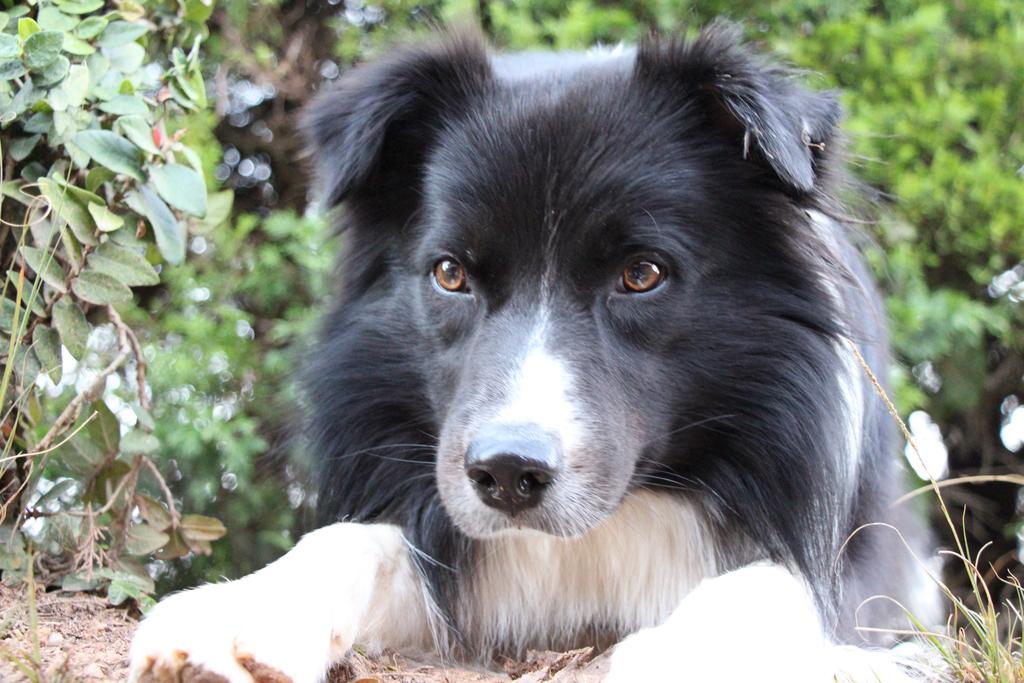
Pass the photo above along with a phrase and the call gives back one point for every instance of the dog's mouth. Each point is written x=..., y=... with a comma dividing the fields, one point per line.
x=560, y=515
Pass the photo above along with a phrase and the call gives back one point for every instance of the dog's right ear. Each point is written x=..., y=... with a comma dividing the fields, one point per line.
x=370, y=133
x=769, y=117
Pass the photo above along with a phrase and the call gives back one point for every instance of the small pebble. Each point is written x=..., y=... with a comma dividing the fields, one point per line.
x=94, y=670
x=54, y=639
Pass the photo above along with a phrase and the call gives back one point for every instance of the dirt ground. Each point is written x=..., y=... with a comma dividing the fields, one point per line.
x=84, y=640
x=81, y=638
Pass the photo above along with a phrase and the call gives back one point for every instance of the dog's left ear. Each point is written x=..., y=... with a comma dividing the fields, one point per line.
x=370, y=132
x=771, y=117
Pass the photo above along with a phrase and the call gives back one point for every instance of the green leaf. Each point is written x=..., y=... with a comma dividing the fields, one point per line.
x=169, y=233
x=14, y=560
x=42, y=49
x=100, y=288
x=145, y=418
x=76, y=85
x=9, y=46
x=26, y=27
x=58, y=101
x=32, y=171
x=137, y=441
x=14, y=190
x=218, y=209
x=119, y=591
x=91, y=27
x=79, y=6
x=138, y=130
x=26, y=367
x=145, y=603
x=39, y=122
x=106, y=220
x=67, y=205
x=200, y=528
x=175, y=548
x=53, y=73
x=83, y=196
x=26, y=96
x=96, y=177
x=46, y=345
x=22, y=147
x=112, y=151
x=198, y=10
x=180, y=96
x=153, y=511
x=125, y=58
x=119, y=33
x=182, y=187
x=72, y=248
x=71, y=325
x=103, y=483
x=105, y=430
x=124, y=105
x=125, y=265
x=44, y=264
x=142, y=539
x=77, y=582
x=52, y=19
x=37, y=306
x=7, y=310
x=76, y=46
x=61, y=488
x=11, y=70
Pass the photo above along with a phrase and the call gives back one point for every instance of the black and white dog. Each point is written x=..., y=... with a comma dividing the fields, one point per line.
x=590, y=376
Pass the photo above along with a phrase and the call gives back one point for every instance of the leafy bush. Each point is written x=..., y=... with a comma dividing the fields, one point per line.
x=99, y=195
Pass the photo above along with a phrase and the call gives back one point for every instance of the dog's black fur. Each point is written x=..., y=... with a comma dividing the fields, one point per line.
x=699, y=151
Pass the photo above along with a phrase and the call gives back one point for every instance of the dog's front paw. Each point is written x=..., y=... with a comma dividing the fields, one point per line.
x=230, y=633
x=753, y=624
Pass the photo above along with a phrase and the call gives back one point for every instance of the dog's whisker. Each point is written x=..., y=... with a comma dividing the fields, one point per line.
x=665, y=482
x=699, y=423
x=411, y=447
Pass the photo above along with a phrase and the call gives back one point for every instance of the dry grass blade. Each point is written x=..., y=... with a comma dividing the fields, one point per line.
x=980, y=651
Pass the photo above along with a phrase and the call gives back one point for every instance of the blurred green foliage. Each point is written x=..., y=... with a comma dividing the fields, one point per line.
x=227, y=335
x=935, y=99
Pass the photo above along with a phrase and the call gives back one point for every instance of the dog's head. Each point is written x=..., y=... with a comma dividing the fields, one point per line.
x=586, y=257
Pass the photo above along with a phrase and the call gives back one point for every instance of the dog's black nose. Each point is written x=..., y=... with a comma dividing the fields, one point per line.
x=511, y=466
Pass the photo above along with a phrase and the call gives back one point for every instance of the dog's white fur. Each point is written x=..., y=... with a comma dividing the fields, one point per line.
x=342, y=584
x=540, y=391
x=646, y=568
x=753, y=624
x=630, y=572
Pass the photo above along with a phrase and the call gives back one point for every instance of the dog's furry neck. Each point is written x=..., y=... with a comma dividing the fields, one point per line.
x=533, y=590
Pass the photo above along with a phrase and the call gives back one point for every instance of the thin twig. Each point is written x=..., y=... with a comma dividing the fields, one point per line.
x=162, y=483
x=130, y=475
x=140, y=369
x=32, y=454
x=932, y=483
x=967, y=479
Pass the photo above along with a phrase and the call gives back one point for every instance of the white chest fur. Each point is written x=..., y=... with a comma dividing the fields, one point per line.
x=530, y=589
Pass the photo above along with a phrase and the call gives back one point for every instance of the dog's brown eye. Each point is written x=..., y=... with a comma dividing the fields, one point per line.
x=450, y=275
x=642, y=276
